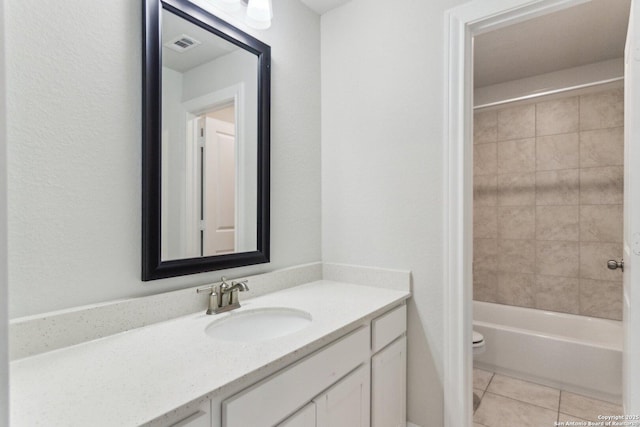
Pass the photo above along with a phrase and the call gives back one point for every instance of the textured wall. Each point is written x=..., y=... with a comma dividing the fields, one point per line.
x=548, y=204
x=382, y=163
x=74, y=126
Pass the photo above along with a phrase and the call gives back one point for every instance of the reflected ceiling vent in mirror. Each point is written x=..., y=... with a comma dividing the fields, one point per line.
x=182, y=43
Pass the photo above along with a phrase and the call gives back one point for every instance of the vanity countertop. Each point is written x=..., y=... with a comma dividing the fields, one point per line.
x=135, y=376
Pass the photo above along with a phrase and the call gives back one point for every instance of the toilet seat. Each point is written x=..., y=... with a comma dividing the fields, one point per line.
x=478, y=343
x=478, y=339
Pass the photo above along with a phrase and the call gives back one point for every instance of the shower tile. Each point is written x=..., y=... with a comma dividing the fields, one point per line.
x=485, y=285
x=558, y=294
x=516, y=222
x=485, y=127
x=517, y=256
x=601, y=298
x=525, y=391
x=561, y=187
x=501, y=411
x=602, y=147
x=601, y=223
x=557, y=223
x=557, y=116
x=481, y=379
x=594, y=257
x=557, y=152
x=485, y=159
x=557, y=258
x=517, y=156
x=601, y=186
x=485, y=190
x=516, y=289
x=586, y=407
x=517, y=189
x=602, y=110
x=516, y=122
x=485, y=254
x=485, y=222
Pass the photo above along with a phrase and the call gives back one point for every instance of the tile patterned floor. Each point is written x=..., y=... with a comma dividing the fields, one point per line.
x=508, y=402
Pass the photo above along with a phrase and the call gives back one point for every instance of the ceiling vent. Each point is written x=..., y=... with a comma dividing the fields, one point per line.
x=182, y=43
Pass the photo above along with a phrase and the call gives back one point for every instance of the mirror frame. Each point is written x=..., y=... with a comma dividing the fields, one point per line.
x=152, y=265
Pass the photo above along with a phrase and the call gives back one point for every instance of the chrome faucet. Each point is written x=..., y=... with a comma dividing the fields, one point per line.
x=224, y=297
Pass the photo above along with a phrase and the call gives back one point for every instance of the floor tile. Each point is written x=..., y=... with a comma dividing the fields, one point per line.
x=586, y=407
x=525, y=391
x=498, y=411
x=481, y=378
x=564, y=418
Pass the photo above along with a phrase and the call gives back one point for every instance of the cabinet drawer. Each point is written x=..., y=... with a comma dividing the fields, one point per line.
x=388, y=327
x=274, y=398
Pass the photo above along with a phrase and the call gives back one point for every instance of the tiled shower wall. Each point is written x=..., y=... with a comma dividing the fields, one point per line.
x=548, y=204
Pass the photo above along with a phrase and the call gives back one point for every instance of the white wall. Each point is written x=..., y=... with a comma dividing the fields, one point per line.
x=382, y=163
x=556, y=81
x=74, y=126
x=4, y=303
x=174, y=175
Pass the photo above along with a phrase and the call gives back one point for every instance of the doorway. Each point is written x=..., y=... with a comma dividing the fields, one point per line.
x=464, y=23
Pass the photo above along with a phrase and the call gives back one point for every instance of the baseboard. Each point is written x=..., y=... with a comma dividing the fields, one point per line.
x=412, y=424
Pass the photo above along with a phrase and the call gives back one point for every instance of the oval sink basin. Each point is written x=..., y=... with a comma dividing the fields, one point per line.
x=259, y=324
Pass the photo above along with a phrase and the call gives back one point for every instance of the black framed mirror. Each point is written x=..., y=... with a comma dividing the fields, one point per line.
x=205, y=143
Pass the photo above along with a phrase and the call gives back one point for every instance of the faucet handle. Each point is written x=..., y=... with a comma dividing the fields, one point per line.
x=211, y=289
x=213, y=300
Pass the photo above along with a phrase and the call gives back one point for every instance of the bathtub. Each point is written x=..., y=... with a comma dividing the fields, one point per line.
x=575, y=353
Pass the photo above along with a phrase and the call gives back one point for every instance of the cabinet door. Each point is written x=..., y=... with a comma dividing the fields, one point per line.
x=389, y=385
x=346, y=403
x=305, y=417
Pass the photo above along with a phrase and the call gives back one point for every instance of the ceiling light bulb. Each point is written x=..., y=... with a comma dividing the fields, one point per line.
x=259, y=14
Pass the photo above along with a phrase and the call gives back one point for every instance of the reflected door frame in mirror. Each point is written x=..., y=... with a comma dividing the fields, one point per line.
x=153, y=267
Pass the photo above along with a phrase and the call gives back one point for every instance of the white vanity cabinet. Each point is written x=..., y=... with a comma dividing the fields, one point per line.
x=389, y=369
x=357, y=381
x=347, y=403
x=305, y=417
x=277, y=397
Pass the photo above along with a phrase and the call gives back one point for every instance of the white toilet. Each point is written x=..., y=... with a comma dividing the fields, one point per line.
x=478, y=343
x=478, y=348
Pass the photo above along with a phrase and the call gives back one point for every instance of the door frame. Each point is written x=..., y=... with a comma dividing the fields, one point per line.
x=193, y=108
x=461, y=25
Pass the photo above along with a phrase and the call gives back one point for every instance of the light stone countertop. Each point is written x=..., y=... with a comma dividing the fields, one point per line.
x=133, y=377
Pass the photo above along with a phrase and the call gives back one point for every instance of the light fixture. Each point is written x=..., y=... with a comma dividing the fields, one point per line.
x=256, y=14
x=259, y=14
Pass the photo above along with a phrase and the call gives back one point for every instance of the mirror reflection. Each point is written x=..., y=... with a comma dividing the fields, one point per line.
x=209, y=143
